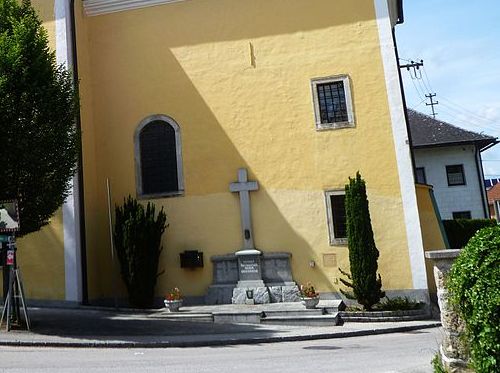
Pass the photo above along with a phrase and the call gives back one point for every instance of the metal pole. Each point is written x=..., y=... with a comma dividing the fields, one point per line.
x=112, y=241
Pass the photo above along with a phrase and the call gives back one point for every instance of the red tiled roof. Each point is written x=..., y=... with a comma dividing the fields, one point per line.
x=494, y=193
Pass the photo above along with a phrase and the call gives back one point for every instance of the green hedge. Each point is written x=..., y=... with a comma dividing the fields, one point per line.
x=474, y=287
x=460, y=231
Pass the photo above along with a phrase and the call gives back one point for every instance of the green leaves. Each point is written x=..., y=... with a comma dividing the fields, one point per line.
x=363, y=253
x=474, y=286
x=137, y=238
x=38, y=106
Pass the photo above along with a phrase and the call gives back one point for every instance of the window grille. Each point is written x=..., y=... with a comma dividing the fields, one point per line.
x=455, y=175
x=332, y=102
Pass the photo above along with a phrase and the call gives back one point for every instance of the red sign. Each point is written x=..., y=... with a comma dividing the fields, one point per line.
x=10, y=257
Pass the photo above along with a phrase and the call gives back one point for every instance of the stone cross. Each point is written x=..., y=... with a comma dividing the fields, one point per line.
x=243, y=186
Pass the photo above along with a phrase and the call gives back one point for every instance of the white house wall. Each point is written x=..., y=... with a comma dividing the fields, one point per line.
x=452, y=198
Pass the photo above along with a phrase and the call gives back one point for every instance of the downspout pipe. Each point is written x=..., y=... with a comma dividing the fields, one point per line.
x=81, y=194
x=405, y=109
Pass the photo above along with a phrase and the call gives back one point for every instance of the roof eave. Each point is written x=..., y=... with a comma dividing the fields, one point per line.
x=481, y=144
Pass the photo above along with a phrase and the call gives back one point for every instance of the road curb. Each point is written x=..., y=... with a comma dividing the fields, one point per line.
x=218, y=342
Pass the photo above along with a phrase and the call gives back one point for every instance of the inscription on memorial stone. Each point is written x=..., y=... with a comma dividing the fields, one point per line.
x=249, y=266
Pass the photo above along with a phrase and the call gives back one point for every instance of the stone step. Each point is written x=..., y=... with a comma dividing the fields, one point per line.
x=180, y=316
x=385, y=318
x=298, y=312
x=313, y=320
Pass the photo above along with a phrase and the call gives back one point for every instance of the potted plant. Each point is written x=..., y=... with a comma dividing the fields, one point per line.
x=173, y=300
x=310, y=298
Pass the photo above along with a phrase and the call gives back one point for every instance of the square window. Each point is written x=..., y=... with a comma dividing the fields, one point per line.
x=455, y=175
x=420, y=175
x=332, y=102
x=462, y=215
x=337, y=225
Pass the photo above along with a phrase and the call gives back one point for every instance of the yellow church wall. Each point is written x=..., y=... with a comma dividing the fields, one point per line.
x=41, y=259
x=431, y=232
x=192, y=61
x=41, y=254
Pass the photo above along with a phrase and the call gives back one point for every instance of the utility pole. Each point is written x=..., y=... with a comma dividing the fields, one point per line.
x=413, y=65
x=430, y=96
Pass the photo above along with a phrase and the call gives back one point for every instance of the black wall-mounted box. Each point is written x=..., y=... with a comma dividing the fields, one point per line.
x=191, y=259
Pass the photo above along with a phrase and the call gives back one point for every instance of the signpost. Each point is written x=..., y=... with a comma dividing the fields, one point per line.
x=9, y=225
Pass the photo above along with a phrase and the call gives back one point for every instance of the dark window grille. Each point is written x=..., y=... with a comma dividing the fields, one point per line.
x=338, y=215
x=332, y=102
x=420, y=174
x=158, y=158
x=455, y=175
x=462, y=215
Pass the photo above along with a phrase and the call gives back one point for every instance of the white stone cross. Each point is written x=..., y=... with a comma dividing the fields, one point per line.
x=243, y=186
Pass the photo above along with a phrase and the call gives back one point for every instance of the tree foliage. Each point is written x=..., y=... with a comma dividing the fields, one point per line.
x=363, y=254
x=38, y=137
x=474, y=287
x=137, y=240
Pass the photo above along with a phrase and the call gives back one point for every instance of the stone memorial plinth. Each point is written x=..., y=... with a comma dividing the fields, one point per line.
x=276, y=275
x=250, y=288
x=452, y=350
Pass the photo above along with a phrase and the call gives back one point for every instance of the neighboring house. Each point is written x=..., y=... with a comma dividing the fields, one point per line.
x=494, y=201
x=176, y=96
x=449, y=158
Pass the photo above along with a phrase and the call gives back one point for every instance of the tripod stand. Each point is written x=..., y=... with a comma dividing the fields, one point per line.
x=11, y=308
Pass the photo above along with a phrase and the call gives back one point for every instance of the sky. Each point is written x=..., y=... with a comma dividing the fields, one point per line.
x=459, y=42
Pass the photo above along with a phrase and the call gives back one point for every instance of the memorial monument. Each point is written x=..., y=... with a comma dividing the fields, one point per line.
x=250, y=276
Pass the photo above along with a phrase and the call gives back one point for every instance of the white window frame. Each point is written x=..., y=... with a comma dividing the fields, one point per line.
x=329, y=214
x=348, y=98
x=168, y=121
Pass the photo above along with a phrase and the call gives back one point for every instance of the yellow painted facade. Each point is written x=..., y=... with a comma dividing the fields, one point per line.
x=236, y=76
x=431, y=231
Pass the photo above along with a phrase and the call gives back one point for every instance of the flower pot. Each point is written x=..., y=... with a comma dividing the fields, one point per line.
x=173, y=305
x=310, y=303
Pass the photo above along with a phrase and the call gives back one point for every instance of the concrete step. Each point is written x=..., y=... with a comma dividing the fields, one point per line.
x=348, y=318
x=299, y=312
x=312, y=320
x=180, y=316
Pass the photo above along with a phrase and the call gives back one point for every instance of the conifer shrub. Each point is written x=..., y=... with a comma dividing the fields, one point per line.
x=474, y=288
x=137, y=238
x=366, y=285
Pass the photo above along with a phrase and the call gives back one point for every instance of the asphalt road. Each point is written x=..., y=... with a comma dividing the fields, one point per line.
x=399, y=352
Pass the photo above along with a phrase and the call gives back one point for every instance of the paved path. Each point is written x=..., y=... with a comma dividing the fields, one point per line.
x=408, y=352
x=106, y=328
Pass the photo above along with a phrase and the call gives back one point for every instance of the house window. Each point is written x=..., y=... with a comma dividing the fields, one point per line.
x=462, y=215
x=158, y=158
x=332, y=102
x=455, y=175
x=420, y=175
x=337, y=226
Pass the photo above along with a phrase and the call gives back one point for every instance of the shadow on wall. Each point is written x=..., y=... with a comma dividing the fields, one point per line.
x=205, y=218
x=135, y=72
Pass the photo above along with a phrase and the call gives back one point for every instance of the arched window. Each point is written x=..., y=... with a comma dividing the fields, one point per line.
x=158, y=157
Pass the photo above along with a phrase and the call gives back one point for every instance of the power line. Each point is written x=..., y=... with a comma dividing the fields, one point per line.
x=427, y=78
x=461, y=108
x=459, y=117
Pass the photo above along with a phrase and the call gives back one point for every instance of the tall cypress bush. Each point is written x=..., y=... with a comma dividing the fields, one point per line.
x=363, y=254
x=39, y=141
x=137, y=240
